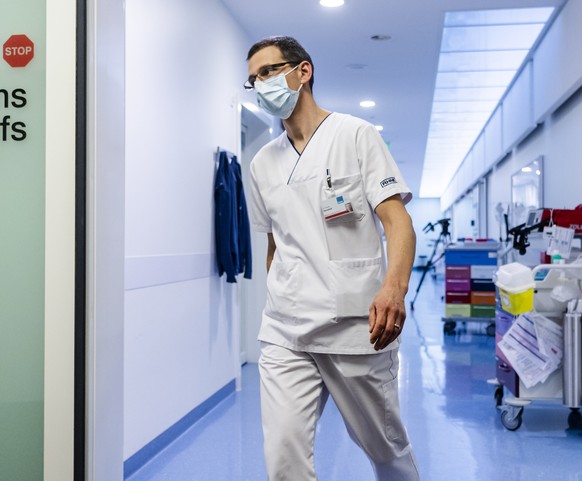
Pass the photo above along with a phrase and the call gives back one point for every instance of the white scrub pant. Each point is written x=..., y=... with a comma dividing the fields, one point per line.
x=294, y=389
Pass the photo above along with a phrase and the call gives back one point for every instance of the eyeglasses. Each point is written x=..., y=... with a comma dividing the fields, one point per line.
x=265, y=72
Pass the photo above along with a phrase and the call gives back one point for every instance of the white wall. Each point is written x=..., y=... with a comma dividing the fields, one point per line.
x=560, y=143
x=463, y=215
x=185, y=69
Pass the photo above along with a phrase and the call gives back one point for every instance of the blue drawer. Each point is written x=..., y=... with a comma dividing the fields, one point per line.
x=480, y=257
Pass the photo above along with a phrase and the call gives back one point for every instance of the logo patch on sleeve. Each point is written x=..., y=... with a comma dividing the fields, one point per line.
x=388, y=181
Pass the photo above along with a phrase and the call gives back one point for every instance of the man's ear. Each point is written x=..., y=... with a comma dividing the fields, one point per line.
x=306, y=72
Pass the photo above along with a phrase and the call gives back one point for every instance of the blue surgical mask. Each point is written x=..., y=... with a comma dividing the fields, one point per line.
x=275, y=97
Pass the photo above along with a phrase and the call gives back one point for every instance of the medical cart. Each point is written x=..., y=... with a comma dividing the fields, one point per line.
x=565, y=383
x=469, y=287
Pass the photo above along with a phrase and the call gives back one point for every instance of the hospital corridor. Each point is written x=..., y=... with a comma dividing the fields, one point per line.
x=302, y=240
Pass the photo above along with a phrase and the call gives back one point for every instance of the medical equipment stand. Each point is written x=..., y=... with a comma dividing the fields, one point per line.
x=444, y=238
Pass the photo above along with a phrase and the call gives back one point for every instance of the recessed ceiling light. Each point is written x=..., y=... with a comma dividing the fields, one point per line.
x=367, y=104
x=331, y=3
x=380, y=37
x=379, y=128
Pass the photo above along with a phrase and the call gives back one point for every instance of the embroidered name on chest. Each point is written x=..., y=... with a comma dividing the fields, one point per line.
x=388, y=181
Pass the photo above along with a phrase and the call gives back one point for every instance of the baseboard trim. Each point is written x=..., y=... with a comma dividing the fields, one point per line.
x=158, y=444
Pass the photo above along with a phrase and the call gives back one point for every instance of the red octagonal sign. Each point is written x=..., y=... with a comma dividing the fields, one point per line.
x=18, y=51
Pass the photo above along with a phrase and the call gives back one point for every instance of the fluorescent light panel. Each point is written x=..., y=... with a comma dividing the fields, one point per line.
x=481, y=51
x=511, y=16
x=484, y=60
x=491, y=37
x=484, y=78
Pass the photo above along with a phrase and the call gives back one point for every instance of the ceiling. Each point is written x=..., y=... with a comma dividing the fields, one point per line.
x=399, y=74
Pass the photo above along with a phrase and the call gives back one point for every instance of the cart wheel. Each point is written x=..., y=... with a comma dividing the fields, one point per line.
x=449, y=327
x=575, y=419
x=491, y=330
x=498, y=395
x=511, y=418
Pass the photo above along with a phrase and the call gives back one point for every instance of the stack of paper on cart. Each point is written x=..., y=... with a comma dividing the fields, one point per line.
x=533, y=346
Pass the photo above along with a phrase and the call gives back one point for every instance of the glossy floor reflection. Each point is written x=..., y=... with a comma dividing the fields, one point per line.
x=447, y=406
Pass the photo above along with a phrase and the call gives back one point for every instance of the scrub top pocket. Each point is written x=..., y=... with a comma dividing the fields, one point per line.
x=350, y=188
x=283, y=282
x=354, y=283
x=345, y=234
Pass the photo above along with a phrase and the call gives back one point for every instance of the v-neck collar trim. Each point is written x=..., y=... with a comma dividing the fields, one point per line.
x=300, y=154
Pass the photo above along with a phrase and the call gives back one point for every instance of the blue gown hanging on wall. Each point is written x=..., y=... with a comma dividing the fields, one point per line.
x=231, y=221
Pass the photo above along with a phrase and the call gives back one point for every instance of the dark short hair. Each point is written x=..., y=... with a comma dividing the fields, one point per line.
x=291, y=50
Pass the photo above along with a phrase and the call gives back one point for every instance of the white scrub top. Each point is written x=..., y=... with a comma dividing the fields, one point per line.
x=324, y=274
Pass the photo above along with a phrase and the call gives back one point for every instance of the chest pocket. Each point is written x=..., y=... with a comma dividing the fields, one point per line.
x=350, y=188
x=345, y=235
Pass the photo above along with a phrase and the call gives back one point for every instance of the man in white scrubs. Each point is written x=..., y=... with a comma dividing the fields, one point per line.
x=323, y=191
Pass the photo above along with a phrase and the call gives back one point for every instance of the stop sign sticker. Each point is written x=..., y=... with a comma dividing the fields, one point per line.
x=18, y=51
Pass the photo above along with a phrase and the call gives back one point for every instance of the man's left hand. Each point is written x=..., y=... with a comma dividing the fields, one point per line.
x=387, y=315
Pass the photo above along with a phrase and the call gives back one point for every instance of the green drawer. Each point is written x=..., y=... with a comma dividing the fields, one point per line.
x=482, y=311
x=458, y=310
